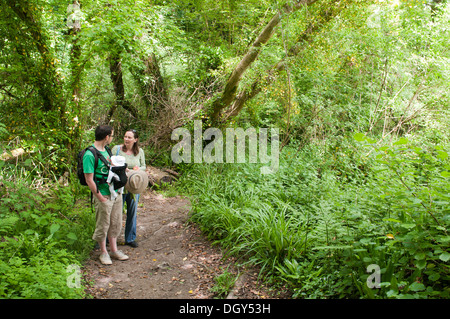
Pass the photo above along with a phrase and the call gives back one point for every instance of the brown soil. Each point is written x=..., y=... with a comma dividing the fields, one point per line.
x=173, y=260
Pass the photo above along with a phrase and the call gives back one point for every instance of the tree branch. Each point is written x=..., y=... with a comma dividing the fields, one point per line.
x=229, y=93
x=315, y=26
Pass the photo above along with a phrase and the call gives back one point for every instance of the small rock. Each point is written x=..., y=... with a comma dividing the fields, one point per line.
x=162, y=266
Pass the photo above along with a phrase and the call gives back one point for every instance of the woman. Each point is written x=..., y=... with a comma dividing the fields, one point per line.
x=135, y=159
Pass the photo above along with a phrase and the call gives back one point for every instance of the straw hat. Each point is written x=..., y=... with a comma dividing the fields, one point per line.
x=137, y=181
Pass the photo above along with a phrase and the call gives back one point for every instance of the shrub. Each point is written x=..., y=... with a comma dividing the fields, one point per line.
x=43, y=235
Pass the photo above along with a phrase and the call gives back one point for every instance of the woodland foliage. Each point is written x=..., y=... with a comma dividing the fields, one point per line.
x=358, y=90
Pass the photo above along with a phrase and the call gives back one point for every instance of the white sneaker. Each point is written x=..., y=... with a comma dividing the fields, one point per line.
x=105, y=259
x=119, y=255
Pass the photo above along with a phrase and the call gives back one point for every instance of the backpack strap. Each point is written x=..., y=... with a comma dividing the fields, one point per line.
x=99, y=156
x=94, y=152
x=108, y=150
x=103, y=159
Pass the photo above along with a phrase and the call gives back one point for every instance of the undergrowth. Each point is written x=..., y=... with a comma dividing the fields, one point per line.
x=354, y=221
x=44, y=238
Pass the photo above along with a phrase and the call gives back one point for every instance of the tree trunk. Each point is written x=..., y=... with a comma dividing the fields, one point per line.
x=238, y=104
x=229, y=93
x=48, y=84
x=73, y=28
x=115, y=67
x=154, y=89
x=158, y=176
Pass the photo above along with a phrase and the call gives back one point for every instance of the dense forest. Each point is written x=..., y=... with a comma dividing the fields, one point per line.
x=359, y=204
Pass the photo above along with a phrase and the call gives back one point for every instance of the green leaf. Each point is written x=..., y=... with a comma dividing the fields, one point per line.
x=392, y=220
x=442, y=155
x=444, y=256
x=408, y=226
x=367, y=259
x=434, y=276
x=421, y=264
x=445, y=174
x=54, y=228
x=392, y=293
x=416, y=286
x=72, y=236
x=402, y=141
x=360, y=137
x=420, y=256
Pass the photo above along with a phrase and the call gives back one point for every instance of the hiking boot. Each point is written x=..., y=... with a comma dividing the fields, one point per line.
x=105, y=259
x=133, y=244
x=119, y=255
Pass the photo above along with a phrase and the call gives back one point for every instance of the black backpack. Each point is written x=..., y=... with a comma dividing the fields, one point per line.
x=97, y=156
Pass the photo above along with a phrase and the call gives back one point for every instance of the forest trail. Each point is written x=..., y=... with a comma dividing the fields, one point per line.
x=173, y=260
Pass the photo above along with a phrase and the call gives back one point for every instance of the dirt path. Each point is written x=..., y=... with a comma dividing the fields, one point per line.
x=173, y=260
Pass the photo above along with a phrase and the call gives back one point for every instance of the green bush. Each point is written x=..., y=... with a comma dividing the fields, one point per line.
x=36, y=269
x=43, y=237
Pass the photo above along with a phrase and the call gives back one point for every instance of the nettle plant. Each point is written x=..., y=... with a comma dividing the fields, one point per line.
x=414, y=183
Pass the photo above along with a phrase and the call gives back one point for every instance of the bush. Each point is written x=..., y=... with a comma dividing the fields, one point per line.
x=37, y=270
x=43, y=237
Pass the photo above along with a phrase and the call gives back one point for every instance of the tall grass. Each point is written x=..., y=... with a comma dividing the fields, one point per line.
x=325, y=216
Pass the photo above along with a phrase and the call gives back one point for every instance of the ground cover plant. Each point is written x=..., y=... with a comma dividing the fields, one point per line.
x=44, y=239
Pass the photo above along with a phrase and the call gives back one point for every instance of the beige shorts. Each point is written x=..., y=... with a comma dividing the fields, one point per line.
x=108, y=217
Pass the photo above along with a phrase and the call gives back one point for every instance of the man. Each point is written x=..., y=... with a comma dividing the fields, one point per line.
x=108, y=211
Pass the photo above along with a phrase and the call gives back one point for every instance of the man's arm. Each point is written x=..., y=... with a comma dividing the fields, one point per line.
x=93, y=187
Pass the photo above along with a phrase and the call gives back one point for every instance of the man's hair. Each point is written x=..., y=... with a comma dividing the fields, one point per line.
x=102, y=131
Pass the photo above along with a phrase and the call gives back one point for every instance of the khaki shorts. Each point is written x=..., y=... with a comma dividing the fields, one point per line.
x=108, y=217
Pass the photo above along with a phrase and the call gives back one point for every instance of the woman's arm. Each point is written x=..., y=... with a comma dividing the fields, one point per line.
x=114, y=149
x=142, y=164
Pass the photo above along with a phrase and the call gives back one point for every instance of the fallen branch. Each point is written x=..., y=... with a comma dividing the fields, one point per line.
x=158, y=176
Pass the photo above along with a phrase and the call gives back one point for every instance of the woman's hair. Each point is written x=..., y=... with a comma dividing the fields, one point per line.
x=102, y=131
x=135, y=145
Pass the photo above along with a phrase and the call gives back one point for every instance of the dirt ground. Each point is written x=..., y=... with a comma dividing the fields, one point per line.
x=173, y=260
